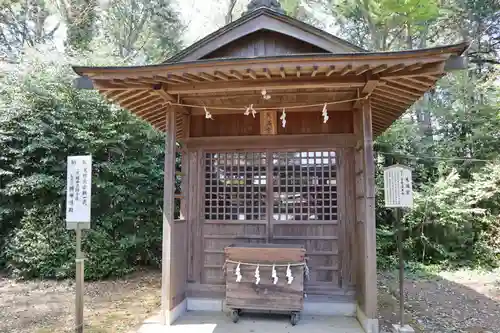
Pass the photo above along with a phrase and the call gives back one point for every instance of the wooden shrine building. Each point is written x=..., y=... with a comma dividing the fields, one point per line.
x=264, y=159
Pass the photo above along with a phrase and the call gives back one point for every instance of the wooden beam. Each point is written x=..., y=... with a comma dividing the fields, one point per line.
x=191, y=77
x=117, y=95
x=205, y=87
x=362, y=69
x=176, y=78
x=396, y=97
x=413, y=86
x=252, y=74
x=133, y=97
x=275, y=141
x=379, y=68
x=168, y=220
x=432, y=69
x=370, y=85
x=163, y=79
x=206, y=76
x=221, y=75
x=236, y=74
x=266, y=73
x=274, y=106
x=315, y=71
x=107, y=85
x=147, y=108
x=141, y=102
x=218, y=96
x=345, y=70
x=394, y=86
x=282, y=72
x=331, y=70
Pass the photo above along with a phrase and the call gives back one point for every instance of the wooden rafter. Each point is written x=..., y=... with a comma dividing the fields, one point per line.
x=206, y=77
x=236, y=74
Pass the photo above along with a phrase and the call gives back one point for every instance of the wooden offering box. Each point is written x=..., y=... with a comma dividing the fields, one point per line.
x=265, y=296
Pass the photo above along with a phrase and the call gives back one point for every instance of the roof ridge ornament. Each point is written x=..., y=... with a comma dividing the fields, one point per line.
x=271, y=4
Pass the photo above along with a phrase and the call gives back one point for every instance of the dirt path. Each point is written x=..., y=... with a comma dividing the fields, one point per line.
x=48, y=306
x=464, y=301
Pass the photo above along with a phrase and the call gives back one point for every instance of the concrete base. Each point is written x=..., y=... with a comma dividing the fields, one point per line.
x=218, y=322
x=404, y=329
x=178, y=311
x=310, y=307
x=370, y=325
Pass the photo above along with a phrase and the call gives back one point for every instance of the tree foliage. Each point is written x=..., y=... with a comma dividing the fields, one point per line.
x=141, y=30
x=43, y=121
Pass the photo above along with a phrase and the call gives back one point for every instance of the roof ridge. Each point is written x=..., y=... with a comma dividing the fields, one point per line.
x=263, y=10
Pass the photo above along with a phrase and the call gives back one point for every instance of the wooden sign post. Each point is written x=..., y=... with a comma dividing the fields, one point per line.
x=398, y=194
x=78, y=185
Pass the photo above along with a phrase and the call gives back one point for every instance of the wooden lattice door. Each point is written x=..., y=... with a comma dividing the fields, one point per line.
x=304, y=211
x=280, y=197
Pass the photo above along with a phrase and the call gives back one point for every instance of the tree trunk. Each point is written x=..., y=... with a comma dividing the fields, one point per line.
x=229, y=14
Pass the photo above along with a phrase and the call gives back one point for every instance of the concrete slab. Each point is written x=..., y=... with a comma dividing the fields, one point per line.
x=218, y=322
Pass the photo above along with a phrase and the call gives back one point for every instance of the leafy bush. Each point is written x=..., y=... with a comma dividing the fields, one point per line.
x=42, y=121
x=453, y=222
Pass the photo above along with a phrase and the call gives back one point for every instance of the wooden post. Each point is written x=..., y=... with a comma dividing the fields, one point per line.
x=370, y=255
x=79, y=281
x=168, y=216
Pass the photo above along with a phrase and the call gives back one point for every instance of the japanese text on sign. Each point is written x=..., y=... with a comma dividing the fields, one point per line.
x=78, y=190
x=398, y=186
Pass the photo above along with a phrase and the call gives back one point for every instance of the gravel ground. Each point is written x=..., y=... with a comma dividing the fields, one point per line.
x=464, y=301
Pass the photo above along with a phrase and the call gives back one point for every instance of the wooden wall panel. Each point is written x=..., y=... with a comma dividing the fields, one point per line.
x=264, y=43
x=340, y=122
x=224, y=125
x=219, y=234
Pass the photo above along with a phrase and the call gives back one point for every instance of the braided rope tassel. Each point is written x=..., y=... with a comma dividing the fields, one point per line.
x=325, y=114
x=289, y=274
x=238, y=273
x=274, y=275
x=257, y=275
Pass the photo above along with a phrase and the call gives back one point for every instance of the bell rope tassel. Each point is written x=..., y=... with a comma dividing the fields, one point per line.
x=274, y=275
x=257, y=275
x=289, y=275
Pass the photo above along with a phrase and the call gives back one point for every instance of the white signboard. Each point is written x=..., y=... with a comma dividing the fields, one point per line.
x=78, y=185
x=398, y=186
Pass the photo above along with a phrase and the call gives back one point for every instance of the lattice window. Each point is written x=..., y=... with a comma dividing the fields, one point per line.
x=304, y=186
x=235, y=186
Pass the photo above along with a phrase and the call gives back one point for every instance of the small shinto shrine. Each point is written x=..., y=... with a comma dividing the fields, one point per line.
x=275, y=122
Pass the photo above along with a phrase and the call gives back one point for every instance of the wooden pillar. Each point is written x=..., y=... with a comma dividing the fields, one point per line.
x=366, y=278
x=168, y=217
x=369, y=240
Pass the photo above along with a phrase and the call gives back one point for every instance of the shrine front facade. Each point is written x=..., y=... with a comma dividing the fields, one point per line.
x=274, y=121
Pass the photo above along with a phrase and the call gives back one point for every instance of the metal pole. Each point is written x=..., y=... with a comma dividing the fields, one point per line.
x=79, y=282
x=401, y=267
